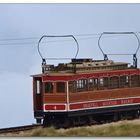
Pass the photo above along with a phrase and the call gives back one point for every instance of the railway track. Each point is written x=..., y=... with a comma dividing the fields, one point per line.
x=19, y=128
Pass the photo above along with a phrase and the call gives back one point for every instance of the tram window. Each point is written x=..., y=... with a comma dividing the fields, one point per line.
x=81, y=85
x=127, y=79
x=114, y=82
x=124, y=81
x=92, y=84
x=103, y=83
x=38, y=86
x=49, y=87
x=72, y=86
x=106, y=82
x=60, y=87
x=135, y=81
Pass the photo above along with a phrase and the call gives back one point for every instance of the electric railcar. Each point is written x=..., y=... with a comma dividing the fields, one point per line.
x=86, y=91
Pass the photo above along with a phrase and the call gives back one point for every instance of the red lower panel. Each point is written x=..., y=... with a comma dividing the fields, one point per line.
x=54, y=107
x=129, y=101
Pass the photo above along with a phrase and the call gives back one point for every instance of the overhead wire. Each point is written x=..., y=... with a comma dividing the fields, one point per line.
x=13, y=39
x=29, y=38
x=80, y=37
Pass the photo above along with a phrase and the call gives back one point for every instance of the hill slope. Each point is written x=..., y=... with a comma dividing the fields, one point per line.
x=121, y=128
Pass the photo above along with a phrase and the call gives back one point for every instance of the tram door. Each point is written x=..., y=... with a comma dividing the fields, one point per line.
x=38, y=94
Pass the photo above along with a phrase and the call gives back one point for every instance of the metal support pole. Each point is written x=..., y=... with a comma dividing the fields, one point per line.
x=67, y=94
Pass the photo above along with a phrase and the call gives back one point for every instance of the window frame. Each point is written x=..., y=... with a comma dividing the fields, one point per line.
x=93, y=84
x=133, y=80
x=83, y=85
x=114, y=83
x=38, y=87
x=72, y=86
x=56, y=82
x=103, y=83
x=49, y=93
x=124, y=83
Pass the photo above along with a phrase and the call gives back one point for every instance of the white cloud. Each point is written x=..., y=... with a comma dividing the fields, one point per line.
x=16, y=104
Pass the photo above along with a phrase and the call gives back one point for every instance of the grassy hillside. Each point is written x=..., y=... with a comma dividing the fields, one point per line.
x=122, y=128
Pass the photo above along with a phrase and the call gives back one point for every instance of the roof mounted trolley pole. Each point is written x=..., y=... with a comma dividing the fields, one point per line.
x=125, y=33
x=60, y=36
x=135, y=60
x=105, y=55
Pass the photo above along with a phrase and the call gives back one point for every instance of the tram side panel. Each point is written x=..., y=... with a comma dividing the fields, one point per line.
x=57, y=98
x=38, y=98
x=105, y=99
x=54, y=97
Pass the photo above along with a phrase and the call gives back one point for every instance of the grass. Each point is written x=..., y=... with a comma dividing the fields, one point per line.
x=123, y=128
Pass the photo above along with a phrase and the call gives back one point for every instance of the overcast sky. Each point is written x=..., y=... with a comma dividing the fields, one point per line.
x=19, y=58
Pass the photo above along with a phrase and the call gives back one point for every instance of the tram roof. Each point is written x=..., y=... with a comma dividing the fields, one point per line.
x=130, y=70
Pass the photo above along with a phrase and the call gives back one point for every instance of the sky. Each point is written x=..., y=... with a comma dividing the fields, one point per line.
x=22, y=25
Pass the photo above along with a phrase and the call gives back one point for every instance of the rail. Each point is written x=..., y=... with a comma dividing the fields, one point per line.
x=19, y=128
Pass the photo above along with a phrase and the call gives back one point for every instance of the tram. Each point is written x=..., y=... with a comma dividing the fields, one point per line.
x=85, y=90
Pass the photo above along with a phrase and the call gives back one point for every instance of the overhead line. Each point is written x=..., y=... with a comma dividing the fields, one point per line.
x=28, y=43
x=30, y=38
x=13, y=39
x=19, y=43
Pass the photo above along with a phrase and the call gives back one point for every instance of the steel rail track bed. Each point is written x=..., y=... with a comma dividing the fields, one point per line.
x=19, y=128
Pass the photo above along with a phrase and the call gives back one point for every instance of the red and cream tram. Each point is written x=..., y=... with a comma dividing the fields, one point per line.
x=86, y=90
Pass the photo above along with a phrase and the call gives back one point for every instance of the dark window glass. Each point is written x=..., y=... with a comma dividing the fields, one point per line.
x=114, y=82
x=49, y=87
x=92, y=84
x=124, y=81
x=60, y=87
x=103, y=83
x=72, y=86
x=135, y=81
